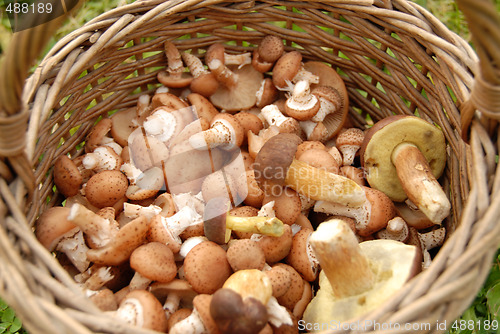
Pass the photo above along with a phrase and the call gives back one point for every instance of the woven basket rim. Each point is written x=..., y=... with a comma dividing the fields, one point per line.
x=456, y=256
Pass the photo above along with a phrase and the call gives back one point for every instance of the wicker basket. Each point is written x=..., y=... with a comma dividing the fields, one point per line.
x=395, y=57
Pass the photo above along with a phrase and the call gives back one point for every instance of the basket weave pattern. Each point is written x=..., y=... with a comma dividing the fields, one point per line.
x=394, y=56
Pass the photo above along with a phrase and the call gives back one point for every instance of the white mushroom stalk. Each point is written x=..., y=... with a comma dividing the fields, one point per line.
x=223, y=73
x=190, y=325
x=131, y=172
x=194, y=64
x=102, y=158
x=75, y=249
x=278, y=314
x=93, y=280
x=135, y=210
x=239, y=60
x=220, y=132
x=100, y=230
x=195, y=202
x=326, y=107
x=181, y=220
x=162, y=124
x=301, y=97
x=273, y=115
x=361, y=214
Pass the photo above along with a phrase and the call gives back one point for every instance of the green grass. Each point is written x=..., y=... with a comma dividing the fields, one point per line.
x=486, y=306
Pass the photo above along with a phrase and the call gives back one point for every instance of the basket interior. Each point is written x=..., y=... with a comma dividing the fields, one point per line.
x=390, y=58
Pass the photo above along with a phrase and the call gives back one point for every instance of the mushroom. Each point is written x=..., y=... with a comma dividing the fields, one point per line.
x=287, y=204
x=302, y=105
x=396, y=229
x=238, y=87
x=316, y=131
x=233, y=314
x=97, y=135
x=356, y=278
x=98, y=230
x=178, y=316
x=245, y=254
x=370, y=217
x=249, y=122
x=289, y=69
x=413, y=216
x=119, y=248
x=217, y=220
x=320, y=158
x=270, y=49
x=275, y=165
x=199, y=321
x=122, y=125
x=55, y=232
x=168, y=101
x=102, y=158
x=348, y=142
x=307, y=145
x=275, y=248
x=159, y=232
x=330, y=103
x=328, y=77
x=294, y=293
x=354, y=173
x=273, y=116
x=302, y=257
x=255, y=142
x=153, y=261
x=206, y=267
x=175, y=293
x=174, y=76
x=106, y=188
x=253, y=283
x=203, y=107
x=280, y=280
x=225, y=132
x=141, y=308
x=204, y=82
x=67, y=176
x=267, y=93
x=403, y=156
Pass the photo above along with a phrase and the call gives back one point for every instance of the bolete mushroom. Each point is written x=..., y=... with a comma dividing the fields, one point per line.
x=275, y=165
x=356, y=278
x=403, y=156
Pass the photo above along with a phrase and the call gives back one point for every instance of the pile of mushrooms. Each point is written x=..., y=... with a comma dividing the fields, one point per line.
x=230, y=200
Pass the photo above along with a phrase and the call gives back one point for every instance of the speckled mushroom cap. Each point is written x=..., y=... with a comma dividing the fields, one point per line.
x=206, y=267
x=294, y=292
x=155, y=261
x=202, y=303
x=97, y=134
x=301, y=256
x=276, y=248
x=106, y=188
x=148, y=309
x=286, y=67
x=380, y=142
x=67, y=177
x=245, y=254
x=52, y=225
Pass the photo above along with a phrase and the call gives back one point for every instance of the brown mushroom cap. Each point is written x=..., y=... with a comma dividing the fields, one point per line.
x=287, y=204
x=67, y=177
x=301, y=256
x=154, y=261
x=232, y=314
x=320, y=158
x=178, y=316
x=308, y=144
x=276, y=248
x=249, y=122
x=243, y=95
x=51, y=225
x=286, y=67
x=280, y=280
x=245, y=254
x=271, y=48
x=106, y=188
x=206, y=267
x=381, y=140
x=294, y=292
x=150, y=312
x=97, y=133
x=203, y=107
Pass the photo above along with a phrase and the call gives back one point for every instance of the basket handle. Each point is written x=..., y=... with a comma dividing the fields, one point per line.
x=25, y=46
x=484, y=24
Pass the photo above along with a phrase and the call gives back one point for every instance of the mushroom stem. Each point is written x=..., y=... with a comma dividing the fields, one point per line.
x=271, y=226
x=318, y=184
x=175, y=65
x=99, y=229
x=341, y=259
x=75, y=249
x=273, y=115
x=419, y=183
x=171, y=304
x=223, y=73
